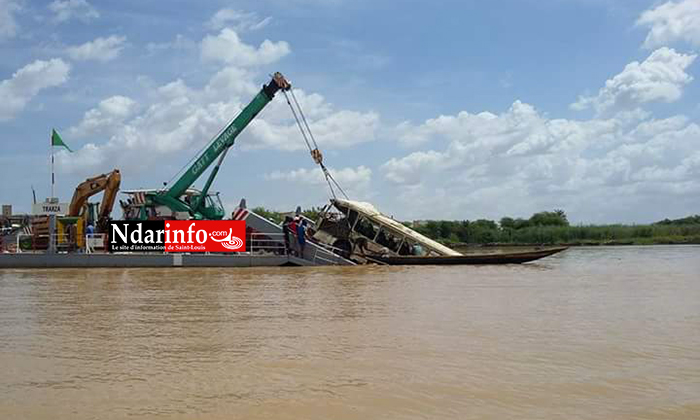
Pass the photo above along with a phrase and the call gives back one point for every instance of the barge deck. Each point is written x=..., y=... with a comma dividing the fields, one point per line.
x=35, y=260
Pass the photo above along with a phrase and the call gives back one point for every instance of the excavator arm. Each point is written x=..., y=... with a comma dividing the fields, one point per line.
x=109, y=183
x=114, y=180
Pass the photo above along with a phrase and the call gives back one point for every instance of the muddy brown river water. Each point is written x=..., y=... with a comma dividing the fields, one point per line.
x=592, y=333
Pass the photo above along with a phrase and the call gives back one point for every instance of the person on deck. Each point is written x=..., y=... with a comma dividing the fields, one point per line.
x=301, y=237
x=293, y=225
x=287, y=234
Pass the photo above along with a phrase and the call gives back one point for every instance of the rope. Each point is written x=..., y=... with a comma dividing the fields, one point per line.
x=315, y=153
x=303, y=118
x=303, y=134
x=329, y=176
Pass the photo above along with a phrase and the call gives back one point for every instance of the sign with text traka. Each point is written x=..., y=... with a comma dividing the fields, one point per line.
x=46, y=208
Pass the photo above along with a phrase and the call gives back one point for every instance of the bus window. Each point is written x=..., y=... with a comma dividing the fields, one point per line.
x=365, y=228
x=388, y=240
x=405, y=248
x=352, y=218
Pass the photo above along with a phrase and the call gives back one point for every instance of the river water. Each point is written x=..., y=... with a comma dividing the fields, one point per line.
x=592, y=333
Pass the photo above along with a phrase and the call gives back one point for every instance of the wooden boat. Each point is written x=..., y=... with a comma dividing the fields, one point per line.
x=496, y=258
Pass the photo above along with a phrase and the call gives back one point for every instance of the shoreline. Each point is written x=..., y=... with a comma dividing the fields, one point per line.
x=636, y=242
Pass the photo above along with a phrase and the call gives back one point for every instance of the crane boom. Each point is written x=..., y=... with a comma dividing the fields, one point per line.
x=179, y=200
x=226, y=138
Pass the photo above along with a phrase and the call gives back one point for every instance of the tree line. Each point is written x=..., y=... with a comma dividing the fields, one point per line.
x=554, y=228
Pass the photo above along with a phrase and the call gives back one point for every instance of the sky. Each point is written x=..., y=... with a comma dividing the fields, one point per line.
x=444, y=109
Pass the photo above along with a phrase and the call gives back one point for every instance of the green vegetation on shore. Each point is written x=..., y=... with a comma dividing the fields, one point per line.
x=278, y=217
x=554, y=228
x=543, y=228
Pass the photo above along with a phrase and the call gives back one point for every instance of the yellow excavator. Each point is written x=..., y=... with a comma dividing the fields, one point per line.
x=81, y=213
x=79, y=206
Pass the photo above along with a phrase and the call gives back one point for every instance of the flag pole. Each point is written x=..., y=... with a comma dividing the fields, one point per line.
x=53, y=176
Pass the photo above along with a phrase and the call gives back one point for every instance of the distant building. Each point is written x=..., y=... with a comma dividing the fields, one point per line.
x=7, y=210
x=290, y=214
x=419, y=223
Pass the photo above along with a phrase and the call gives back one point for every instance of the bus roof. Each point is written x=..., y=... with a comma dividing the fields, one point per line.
x=369, y=211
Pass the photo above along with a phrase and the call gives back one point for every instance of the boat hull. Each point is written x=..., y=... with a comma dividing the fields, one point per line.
x=481, y=259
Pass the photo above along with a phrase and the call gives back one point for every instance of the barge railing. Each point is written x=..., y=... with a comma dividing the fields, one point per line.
x=258, y=243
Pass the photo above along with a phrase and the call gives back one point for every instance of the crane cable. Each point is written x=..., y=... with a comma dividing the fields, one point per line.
x=315, y=152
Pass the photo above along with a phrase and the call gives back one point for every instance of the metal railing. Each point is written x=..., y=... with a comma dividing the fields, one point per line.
x=258, y=243
x=272, y=243
x=94, y=241
x=18, y=247
x=275, y=243
x=60, y=241
x=336, y=252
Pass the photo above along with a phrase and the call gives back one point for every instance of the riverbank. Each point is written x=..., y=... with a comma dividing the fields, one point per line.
x=483, y=232
x=664, y=240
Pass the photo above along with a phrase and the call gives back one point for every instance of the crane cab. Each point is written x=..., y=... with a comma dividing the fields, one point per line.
x=145, y=205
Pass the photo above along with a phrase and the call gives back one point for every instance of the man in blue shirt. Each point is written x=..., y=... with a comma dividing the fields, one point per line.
x=301, y=237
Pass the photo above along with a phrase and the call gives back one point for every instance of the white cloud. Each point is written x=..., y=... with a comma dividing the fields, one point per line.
x=227, y=47
x=671, y=22
x=119, y=106
x=237, y=20
x=65, y=10
x=411, y=169
x=660, y=78
x=360, y=175
x=232, y=81
x=100, y=49
x=356, y=182
x=485, y=128
x=523, y=160
x=332, y=130
x=105, y=118
x=277, y=129
x=8, y=24
x=27, y=82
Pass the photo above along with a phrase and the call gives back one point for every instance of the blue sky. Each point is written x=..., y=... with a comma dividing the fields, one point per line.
x=442, y=109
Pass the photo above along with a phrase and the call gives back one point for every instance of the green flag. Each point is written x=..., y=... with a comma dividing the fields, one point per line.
x=56, y=140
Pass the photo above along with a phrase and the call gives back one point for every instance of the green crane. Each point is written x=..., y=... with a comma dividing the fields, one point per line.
x=178, y=198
